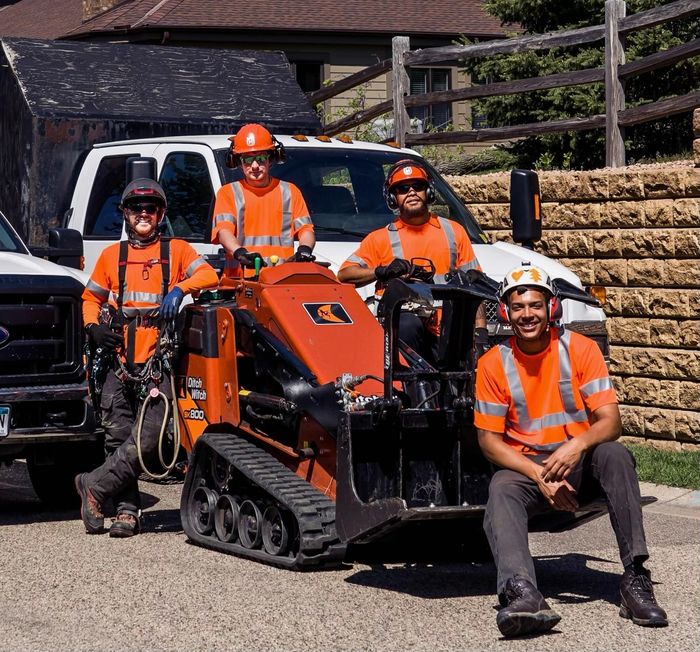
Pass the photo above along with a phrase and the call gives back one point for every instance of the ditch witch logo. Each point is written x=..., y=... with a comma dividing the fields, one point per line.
x=327, y=314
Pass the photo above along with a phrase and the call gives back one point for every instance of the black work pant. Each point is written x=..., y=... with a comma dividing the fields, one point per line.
x=117, y=478
x=513, y=499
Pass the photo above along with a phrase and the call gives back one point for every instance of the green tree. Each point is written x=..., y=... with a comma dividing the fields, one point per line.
x=585, y=149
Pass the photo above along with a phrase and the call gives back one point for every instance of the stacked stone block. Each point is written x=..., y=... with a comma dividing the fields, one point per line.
x=635, y=231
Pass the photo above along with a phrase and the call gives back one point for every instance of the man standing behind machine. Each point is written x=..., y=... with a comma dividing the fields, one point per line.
x=547, y=416
x=260, y=216
x=144, y=278
x=417, y=233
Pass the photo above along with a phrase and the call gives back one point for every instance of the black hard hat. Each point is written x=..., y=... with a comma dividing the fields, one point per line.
x=140, y=189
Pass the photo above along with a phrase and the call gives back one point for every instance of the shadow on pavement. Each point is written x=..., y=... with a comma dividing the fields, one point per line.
x=566, y=578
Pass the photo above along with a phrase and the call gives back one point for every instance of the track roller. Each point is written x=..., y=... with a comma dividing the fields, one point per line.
x=226, y=518
x=275, y=534
x=202, y=509
x=250, y=524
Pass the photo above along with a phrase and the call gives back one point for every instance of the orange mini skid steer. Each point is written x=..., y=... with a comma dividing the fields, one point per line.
x=311, y=427
x=316, y=436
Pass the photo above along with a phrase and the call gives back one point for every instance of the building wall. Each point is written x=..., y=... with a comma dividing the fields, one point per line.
x=635, y=231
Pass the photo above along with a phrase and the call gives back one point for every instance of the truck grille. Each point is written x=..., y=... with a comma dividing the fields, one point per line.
x=41, y=328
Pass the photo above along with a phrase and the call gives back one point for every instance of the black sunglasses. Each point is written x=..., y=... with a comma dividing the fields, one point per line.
x=151, y=209
x=404, y=188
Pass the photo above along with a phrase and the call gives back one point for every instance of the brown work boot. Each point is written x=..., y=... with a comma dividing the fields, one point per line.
x=524, y=611
x=124, y=525
x=637, y=599
x=90, y=508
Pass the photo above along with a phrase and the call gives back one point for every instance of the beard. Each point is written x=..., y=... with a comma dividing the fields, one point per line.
x=415, y=210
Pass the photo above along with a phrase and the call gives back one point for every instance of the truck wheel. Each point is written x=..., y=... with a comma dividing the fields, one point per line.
x=52, y=470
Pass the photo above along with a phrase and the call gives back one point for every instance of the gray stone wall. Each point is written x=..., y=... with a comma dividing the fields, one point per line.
x=635, y=231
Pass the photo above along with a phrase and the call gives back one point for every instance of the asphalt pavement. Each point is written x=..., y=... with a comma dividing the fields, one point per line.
x=65, y=590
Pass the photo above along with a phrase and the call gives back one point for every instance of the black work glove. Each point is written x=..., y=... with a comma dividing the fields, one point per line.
x=302, y=255
x=248, y=258
x=397, y=267
x=103, y=337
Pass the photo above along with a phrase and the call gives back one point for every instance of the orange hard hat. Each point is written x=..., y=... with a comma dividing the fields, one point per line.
x=252, y=138
x=407, y=170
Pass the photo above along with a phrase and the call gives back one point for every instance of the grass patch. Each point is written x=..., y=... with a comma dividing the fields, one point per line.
x=671, y=468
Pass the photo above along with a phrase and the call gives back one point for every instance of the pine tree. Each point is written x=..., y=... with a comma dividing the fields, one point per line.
x=586, y=149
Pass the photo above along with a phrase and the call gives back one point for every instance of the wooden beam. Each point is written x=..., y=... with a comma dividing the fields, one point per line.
x=660, y=59
x=660, y=109
x=580, y=36
x=357, y=118
x=574, y=78
x=507, y=133
x=400, y=46
x=361, y=77
x=505, y=46
x=614, y=92
x=658, y=15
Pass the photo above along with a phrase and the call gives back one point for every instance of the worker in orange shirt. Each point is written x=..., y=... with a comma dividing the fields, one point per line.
x=260, y=216
x=386, y=253
x=144, y=280
x=547, y=416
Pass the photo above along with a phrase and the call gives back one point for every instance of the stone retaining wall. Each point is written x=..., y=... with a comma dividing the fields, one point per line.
x=635, y=231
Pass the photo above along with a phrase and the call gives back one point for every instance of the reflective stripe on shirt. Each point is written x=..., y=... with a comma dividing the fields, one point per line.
x=533, y=426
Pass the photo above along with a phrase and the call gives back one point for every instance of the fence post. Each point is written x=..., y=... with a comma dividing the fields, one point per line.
x=400, y=87
x=614, y=90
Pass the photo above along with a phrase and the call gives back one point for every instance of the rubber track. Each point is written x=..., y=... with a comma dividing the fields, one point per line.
x=319, y=545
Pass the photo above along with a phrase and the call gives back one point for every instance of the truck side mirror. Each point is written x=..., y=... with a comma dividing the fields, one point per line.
x=66, y=248
x=525, y=207
x=141, y=167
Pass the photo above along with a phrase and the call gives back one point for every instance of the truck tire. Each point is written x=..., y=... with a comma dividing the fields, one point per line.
x=52, y=470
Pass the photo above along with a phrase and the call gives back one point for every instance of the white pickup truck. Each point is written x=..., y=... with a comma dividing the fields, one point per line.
x=341, y=181
x=45, y=413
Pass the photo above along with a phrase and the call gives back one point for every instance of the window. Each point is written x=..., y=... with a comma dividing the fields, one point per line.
x=309, y=74
x=185, y=180
x=431, y=80
x=103, y=218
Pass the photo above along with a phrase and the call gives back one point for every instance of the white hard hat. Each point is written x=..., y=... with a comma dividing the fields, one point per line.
x=525, y=275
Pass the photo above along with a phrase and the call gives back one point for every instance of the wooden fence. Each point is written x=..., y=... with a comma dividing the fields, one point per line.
x=614, y=73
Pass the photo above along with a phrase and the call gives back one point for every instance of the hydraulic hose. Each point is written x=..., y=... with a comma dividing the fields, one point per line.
x=154, y=394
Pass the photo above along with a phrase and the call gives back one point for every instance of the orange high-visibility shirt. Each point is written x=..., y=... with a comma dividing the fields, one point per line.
x=143, y=286
x=539, y=401
x=442, y=241
x=264, y=220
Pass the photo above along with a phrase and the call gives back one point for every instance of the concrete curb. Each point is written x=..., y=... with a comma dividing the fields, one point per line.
x=672, y=500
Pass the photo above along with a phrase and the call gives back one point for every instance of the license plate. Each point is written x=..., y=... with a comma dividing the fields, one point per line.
x=4, y=420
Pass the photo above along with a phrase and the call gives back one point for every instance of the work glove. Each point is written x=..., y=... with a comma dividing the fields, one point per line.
x=103, y=337
x=397, y=267
x=248, y=258
x=302, y=255
x=171, y=304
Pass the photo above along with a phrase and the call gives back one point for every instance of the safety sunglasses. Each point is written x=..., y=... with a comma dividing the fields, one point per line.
x=257, y=158
x=404, y=188
x=136, y=209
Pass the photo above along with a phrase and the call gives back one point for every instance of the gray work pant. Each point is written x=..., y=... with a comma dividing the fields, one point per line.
x=513, y=499
x=117, y=478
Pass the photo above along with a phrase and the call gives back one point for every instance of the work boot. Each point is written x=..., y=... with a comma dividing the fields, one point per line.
x=90, y=508
x=524, y=611
x=124, y=525
x=637, y=599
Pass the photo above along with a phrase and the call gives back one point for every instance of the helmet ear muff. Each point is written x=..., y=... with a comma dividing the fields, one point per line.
x=555, y=309
x=390, y=198
x=503, y=313
x=232, y=159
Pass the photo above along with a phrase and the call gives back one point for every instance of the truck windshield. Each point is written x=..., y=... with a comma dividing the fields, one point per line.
x=343, y=190
x=8, y=240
